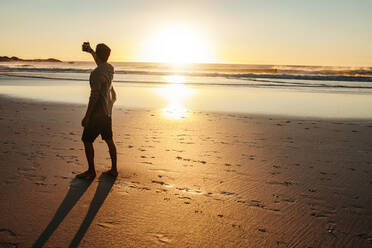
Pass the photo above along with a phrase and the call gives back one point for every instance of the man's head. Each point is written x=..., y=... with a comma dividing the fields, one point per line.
x=103, y=52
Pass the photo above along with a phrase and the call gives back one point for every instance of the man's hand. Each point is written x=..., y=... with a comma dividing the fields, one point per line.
x=84, y=121
x=86, y=47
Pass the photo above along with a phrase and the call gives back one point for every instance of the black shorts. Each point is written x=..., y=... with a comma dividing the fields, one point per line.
x=101, y=126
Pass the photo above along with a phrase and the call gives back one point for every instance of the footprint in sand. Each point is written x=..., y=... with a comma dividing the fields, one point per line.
x=161, y=238
x=275, y=173
x=320, y=211
x=256, y=203
x=108, y=224
x=23, y=170
x=161, y=190
x=227, y=193
x=185, y=197
x=190, y=191
x=159, y=182
x=34, y=178
x=259, y=204
x=146, y=162
x=144, y=188
x=7, y=232
x=9, y=236
x=285, y=183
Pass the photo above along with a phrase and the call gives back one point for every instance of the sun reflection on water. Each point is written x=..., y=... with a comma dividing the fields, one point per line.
x=175, y=93
x=174, y=79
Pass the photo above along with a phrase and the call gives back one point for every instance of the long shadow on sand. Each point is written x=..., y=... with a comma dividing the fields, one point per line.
x=76, y=191
x=104, y=186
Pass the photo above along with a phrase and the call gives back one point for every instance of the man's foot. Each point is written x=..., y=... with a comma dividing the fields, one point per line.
x=111, y=173
x=88, y=175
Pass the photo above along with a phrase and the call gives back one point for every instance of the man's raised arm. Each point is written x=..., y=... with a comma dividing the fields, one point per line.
x=94, y=84
x=86, y=48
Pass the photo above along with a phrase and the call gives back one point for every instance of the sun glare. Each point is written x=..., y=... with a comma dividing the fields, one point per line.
x=176, y=44
x=175, y=79
x=175, y=94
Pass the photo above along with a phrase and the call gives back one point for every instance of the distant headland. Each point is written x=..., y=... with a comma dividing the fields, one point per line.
x=15, y=59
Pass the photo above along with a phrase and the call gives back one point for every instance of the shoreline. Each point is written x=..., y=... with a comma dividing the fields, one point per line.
x=208, y=180
x=287, y=102
x=251, y=115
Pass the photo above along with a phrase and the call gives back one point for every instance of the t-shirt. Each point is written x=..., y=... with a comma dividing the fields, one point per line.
x=102, y=94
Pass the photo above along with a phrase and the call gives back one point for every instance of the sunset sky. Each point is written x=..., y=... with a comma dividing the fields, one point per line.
x=334, y=32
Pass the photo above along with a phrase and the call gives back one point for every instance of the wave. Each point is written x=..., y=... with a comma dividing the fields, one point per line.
x=252, y=82
x=360, y=75
x=26, y=68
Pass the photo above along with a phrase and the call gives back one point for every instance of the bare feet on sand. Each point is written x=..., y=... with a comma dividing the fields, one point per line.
x=88, y=175
x=112, y=173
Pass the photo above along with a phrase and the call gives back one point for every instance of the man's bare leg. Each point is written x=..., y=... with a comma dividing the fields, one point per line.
x=89, y=153
x=112, y=149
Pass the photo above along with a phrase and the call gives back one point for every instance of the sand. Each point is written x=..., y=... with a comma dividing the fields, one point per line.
x=209, y=180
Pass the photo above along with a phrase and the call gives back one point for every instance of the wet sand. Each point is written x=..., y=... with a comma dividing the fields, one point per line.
x=209, y=180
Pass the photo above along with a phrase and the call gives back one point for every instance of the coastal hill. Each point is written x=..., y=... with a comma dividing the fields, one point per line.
x=15, y=59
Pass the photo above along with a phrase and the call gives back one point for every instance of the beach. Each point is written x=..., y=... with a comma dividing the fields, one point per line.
x=210, y=179
x=221, y=124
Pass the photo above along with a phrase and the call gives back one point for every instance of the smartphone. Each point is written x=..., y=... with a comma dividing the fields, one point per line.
x=85, y=46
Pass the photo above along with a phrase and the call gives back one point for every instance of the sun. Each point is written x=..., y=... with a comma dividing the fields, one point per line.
x=176, y=44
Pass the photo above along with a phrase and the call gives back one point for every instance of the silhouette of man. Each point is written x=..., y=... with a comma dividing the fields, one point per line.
x=97, y=120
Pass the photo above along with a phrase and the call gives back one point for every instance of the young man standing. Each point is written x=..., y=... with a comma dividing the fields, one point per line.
x=97, y=120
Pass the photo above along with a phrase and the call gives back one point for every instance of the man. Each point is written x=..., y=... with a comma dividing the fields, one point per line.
x=97, y=120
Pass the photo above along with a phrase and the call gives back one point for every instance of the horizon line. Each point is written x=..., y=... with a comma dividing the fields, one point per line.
x=188, y=63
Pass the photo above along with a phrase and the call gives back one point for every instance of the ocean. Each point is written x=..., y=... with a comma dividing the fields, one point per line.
x=179, y=90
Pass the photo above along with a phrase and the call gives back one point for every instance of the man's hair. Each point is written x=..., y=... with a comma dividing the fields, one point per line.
x=103, y=52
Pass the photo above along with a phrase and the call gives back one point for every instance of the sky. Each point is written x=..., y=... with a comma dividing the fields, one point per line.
x=317, y=32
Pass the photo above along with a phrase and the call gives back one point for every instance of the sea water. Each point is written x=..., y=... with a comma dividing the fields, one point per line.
x=178, y=90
